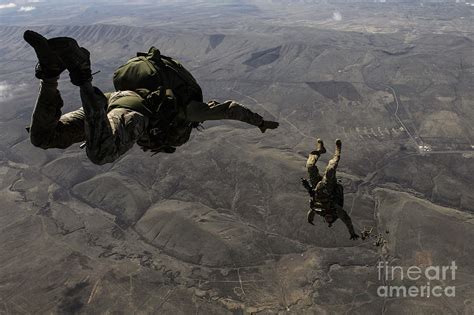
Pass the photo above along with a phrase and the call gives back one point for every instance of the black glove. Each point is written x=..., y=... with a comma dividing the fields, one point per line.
x=354, y=236
x=268, y=124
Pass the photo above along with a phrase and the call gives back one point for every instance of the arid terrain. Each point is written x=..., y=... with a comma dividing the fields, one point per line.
x=219, y=227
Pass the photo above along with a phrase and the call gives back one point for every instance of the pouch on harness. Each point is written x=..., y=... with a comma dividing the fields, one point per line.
x=167, y=87
x=337, y=197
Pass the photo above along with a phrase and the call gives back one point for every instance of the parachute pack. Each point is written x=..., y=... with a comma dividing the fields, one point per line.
x=162, y=76
x=165, y=88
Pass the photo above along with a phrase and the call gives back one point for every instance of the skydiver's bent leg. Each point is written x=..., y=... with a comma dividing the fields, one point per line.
x=200, y=112
x=313, y=157
x=313, y=171
x=48, y=128
x=330, y=174
x=108, y=135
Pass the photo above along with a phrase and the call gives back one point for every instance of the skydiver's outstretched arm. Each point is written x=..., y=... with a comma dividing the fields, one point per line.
x=308, y=187
x=342, y=214
x=200, y=112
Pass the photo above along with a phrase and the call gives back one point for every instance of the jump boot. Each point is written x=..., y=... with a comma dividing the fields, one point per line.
x=49, y=65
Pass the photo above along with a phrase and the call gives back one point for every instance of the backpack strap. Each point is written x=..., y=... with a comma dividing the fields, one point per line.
x=154, y=53
x=154, y=57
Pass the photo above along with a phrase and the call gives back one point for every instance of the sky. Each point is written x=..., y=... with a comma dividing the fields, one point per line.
x=22, y=6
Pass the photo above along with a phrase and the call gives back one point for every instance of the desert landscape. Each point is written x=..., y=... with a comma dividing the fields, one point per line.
x=219, y=227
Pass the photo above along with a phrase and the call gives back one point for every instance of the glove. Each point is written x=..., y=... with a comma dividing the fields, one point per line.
x=268, y=124
x=354, y=236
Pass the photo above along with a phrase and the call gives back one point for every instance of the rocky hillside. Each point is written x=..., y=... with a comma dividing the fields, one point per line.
x=220, y=226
